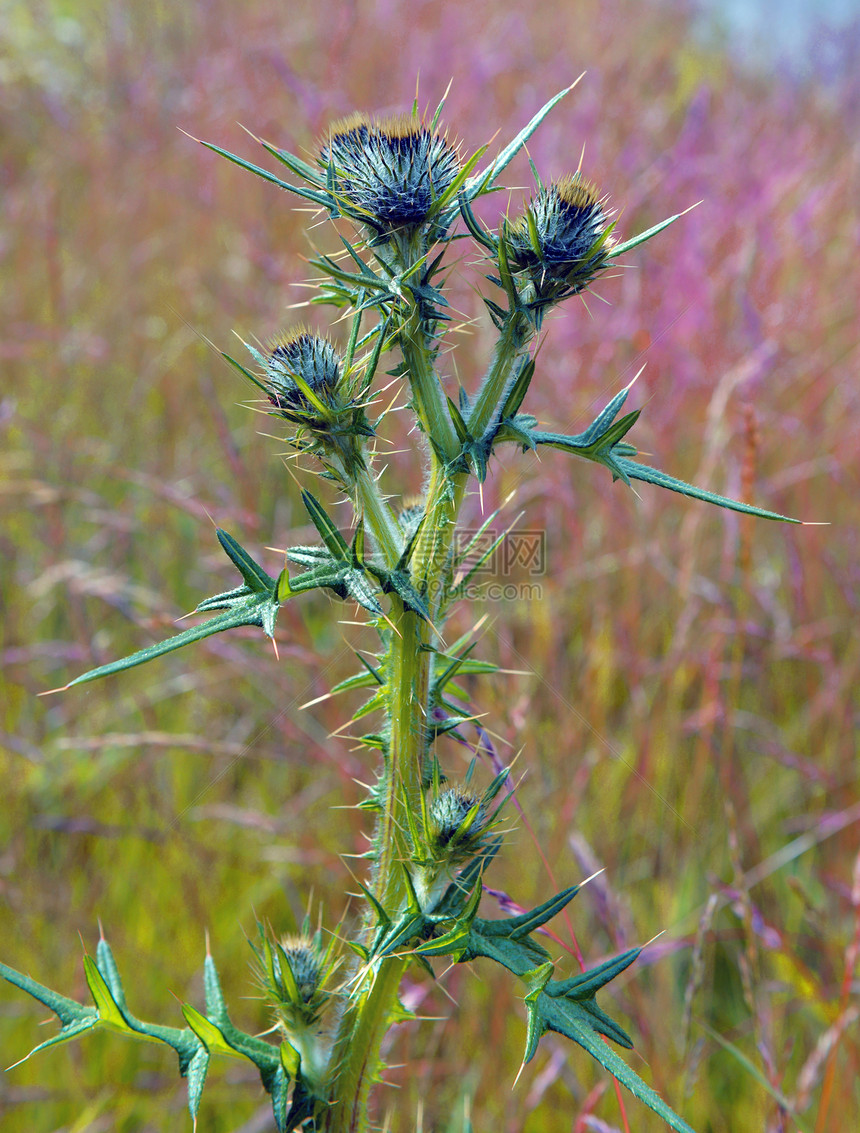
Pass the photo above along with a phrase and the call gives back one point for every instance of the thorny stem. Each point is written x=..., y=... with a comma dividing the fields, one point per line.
x=356, y=1053
x=368, y=1015
x=510, y=352
x=427, y=392
x=408, y=683
x=378, y=517
x=445, y=494
x=447, y=487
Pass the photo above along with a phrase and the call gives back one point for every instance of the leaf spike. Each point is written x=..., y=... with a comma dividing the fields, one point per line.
x=638, y=374
x=434, y=122
x=592, y=876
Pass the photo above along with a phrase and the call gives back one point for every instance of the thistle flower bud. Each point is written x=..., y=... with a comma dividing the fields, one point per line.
x=304, y=962
x=388, y=174
x=561, y=241
x=292, y=973
x=452, y=832
x=411, y=515
x=309, y=357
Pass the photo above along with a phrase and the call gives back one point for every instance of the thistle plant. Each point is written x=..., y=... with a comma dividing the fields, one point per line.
x=407, y=194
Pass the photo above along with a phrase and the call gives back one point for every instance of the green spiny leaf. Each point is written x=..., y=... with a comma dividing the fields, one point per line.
x=216, y=1008
x=620, y=249
x=246, y=373
x=295, y=164
x=206, y=1031
x=483, y=181
x=110, y=1013
x=519, y=389
x=276, y=1083
x=601, y=443
x=230, y=619
x=463, y=434
x=253, y=604
x=376, y=703
x=319, y=198
x=457, y=185
x=117, y=1016
x=642, y=472
x=110, y=973
x=507, y=279
x=535, y=981
x=480, y=234
x=382, y=917
x=589, y=983
x=329, y=533
x=75, y=1018
x=196, y=1076
x=568, y=1019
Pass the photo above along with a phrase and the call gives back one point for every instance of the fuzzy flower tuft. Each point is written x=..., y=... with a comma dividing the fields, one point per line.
x=304, y=962
x=411, y=515
x=307, y=356
x=390, y=173
x=450, y=826
x=292, y=974
x=561, y=240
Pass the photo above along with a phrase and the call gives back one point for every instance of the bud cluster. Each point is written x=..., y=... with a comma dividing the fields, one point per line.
x=292, y=972
x=456, y=823
x=410, y=515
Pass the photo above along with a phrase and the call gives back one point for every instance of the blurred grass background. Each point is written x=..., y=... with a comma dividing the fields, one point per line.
x=690, y=724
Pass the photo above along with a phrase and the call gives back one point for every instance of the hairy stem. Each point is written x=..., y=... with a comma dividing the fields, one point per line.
x=371, y=1005
x=380, y=521
x=427, y=393
x=408, y=682
x=356, y=1054
x=511, y=350
x=368, y=1014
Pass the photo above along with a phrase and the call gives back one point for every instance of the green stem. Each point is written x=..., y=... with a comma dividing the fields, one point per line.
x=408, y=683
x=382, y=524
x=354, y=469
x=370, y=1007
x=399, y=258
x=430, y=402
x=368, y=1014
x=356, y=1055
x=511, y=349
x=445, y=490
x=444, y=498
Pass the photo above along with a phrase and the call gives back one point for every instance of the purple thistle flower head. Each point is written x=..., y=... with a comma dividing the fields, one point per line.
x=561, y=241
x=390, y=173
x=307, y=356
